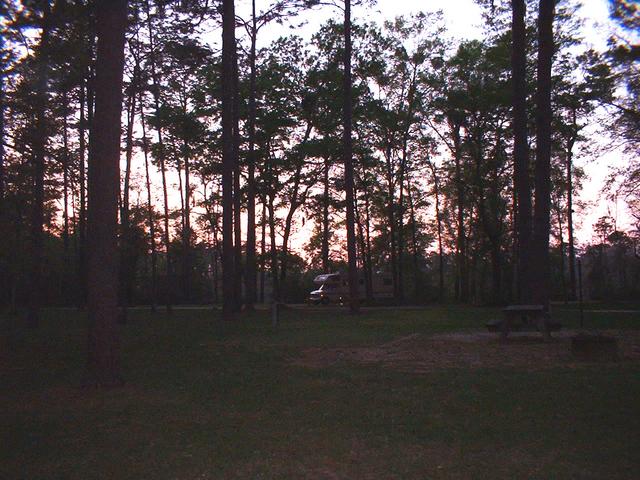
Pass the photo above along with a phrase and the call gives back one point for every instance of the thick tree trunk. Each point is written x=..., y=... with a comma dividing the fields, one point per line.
x=348, y=163
x=104, y=183
x=228, y=158
x=541, y=285
x=39, y=153
x=521, y=183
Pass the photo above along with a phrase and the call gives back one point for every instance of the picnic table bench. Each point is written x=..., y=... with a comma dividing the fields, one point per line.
x=524, y=317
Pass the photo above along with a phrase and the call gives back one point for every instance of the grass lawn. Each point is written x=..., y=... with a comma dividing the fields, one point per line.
x=206, y=401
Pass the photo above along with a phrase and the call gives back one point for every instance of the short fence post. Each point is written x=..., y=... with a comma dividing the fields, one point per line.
x=580, y=293
x=275, y=313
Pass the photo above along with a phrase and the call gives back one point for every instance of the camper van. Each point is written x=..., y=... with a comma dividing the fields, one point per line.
x=334, y=287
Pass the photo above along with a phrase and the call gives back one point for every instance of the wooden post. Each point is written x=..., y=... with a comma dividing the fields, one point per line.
x=275, y=313
x=580, y=293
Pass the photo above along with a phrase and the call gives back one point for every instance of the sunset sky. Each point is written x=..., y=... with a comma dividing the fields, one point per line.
x=463, y=19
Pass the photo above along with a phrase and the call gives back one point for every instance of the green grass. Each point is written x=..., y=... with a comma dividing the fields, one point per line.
x=207, y=401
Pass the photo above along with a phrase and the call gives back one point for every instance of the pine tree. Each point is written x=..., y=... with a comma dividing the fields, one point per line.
x=104, y=182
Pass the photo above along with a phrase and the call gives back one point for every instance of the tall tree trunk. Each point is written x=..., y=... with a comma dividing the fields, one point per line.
x=295, y=203
x=369, y=266
x=180, y=192
x=161, y=158
x=572, y=251
x=391, y=218
x=325, y=217
x=65, y=194
x=400, y=236
x=5, y=275
x=521, y=183
x=237, y=197
x=436, y=186
x=462, y=276
x=131, y=116
x=402, y=174
x=563, y=278
x=496, y=271
x=38, y=158
x=263, y=239
x=214, y=269
x=366, y=268
x=250, y=268
x=273, y=251
x=186, y=231
x=82, y=214
x=541, y=285
x=228, y=158
x=126, y=267
x=104, y=183
x=150, y=219
x=217, y=255
x=2, y=169
x=354, y=306
x=417, y=286
x=490, y=225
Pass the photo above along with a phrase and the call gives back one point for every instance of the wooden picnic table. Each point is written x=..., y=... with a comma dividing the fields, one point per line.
x=527, y=316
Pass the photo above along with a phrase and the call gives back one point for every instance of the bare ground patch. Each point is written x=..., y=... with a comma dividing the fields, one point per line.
x=471, y=350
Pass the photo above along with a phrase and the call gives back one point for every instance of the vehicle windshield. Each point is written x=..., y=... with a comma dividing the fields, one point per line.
x=324, y=287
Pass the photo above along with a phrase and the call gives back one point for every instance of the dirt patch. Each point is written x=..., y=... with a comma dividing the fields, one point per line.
x=470, y=350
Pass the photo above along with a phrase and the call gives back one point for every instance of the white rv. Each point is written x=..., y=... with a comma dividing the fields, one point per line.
x=334, y=287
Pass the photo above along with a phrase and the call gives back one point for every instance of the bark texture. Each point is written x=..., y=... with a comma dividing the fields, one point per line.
x=228, y=157
x=522, y=187
x=104, y=183
x=541, y=278
x=348, y=163
x=38, y=165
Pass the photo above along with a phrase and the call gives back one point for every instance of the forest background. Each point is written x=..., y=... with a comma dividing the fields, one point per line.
x=432, y=134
